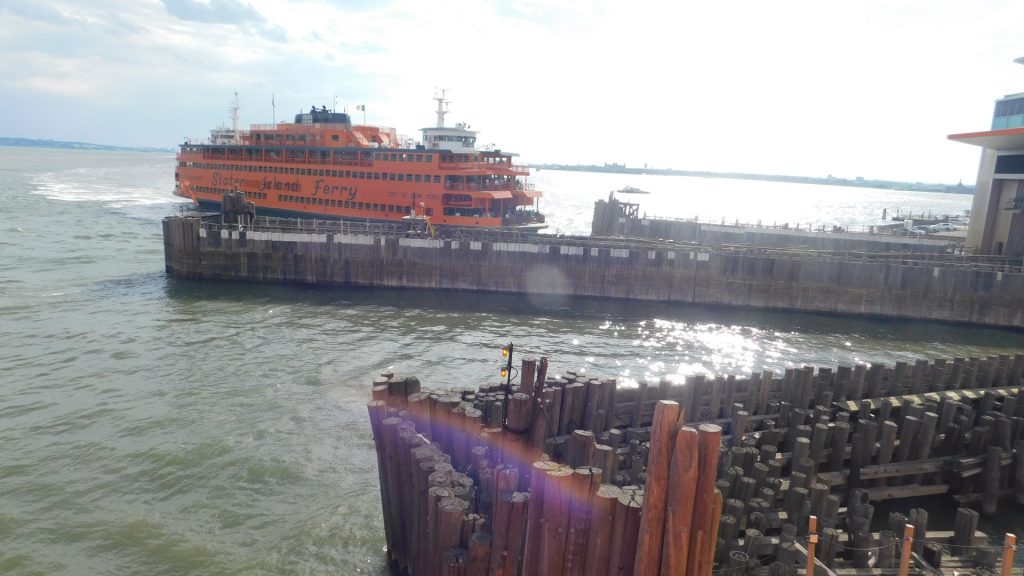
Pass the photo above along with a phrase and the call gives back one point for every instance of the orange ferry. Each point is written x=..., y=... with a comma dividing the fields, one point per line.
x=324, y=166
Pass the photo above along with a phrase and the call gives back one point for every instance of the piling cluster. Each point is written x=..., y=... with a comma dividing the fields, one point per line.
x=468, y=489
x=570, y=474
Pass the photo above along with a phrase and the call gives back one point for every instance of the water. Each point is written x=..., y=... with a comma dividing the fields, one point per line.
x=571, y=196
x=156, y=426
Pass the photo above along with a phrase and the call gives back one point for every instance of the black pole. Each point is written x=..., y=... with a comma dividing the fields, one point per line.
x=508, y=388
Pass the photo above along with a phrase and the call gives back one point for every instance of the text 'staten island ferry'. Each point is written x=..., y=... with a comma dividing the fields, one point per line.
x=324, y=166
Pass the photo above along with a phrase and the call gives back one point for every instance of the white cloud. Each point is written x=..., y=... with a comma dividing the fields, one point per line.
x=869, y=89
x=58, y=76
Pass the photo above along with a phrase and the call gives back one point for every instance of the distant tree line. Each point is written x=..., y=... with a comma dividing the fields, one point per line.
x=61, y=144
x=959, y=188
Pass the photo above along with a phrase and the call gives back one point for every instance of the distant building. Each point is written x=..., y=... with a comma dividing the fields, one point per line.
x=997, y=213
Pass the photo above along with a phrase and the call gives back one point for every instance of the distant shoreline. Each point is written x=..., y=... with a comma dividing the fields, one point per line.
x=608, y=169
x=830, y=180
x=67, y=145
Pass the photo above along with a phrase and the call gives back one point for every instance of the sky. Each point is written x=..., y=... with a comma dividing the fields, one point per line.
x=868, y=88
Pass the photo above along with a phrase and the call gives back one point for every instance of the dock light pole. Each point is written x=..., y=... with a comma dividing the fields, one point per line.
x=506, y=370
x=506, y=376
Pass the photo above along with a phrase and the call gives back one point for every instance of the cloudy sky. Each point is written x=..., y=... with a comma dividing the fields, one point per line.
x=867, y=88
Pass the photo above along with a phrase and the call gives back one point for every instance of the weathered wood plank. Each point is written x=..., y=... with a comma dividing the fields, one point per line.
x=920, y=399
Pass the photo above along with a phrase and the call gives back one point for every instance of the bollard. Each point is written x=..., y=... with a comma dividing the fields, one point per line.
x=1009, y=545
x=908, y=539
x=812, y=541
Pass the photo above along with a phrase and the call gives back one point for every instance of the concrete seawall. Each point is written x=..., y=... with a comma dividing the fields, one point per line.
x=930, y=287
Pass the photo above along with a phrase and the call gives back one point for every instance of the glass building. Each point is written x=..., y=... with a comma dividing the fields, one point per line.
x=1009, y=112
x=997, y=212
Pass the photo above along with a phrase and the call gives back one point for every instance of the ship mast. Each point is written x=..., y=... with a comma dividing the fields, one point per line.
x=234, y=117
x=442, y=108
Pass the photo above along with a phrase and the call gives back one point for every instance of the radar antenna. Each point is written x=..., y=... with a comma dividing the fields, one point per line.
x=442, y=107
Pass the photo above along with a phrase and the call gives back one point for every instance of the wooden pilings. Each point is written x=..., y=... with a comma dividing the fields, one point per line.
x=570, y=474
x=457, y=497
x=908, y=541
x=652, y=523
x=679, y=506
x=1009, y=547
x=708, y=502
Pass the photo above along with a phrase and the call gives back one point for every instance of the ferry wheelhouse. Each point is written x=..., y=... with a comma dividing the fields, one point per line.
x=323, y=165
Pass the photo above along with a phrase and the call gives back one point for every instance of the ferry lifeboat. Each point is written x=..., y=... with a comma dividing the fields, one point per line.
x=324, y=166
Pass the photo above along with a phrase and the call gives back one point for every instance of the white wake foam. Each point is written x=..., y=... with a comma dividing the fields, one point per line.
x=103, y=185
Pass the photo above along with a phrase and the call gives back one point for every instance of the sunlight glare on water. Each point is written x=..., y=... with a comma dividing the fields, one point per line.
x=706, y=348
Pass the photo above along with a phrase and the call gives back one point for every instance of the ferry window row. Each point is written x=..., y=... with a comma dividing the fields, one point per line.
x=463, y=158
x=284, y=154
x=270, y=137
x=353, y=158
x=332, y=203
x=360, y=175
x=466, y=140
x=403, y=157
x=255, y=153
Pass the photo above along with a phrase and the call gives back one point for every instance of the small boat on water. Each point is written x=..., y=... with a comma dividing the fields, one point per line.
x=325, y=166
x=630, y=190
